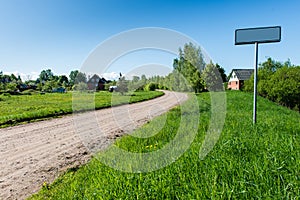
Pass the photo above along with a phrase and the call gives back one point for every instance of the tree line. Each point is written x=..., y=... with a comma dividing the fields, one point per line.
x=190, y=73
x=47, y=81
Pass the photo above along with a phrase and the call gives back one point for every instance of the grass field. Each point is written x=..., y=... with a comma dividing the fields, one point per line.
x=248, y=162
x=15, y=109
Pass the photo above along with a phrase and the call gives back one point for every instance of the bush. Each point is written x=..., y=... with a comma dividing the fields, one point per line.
x=162, y=87
x=151, y=86
x=6, y=94
x=285, y=89
x=11, y=86
x=11, y=92
x=28, y=92
x=80, y=87
x=281, y=84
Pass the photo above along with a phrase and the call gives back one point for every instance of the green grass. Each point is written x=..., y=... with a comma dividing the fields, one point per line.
x=16, y=109
x=248, y=162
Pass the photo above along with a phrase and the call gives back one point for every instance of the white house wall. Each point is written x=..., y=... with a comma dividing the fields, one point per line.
x=232, y=77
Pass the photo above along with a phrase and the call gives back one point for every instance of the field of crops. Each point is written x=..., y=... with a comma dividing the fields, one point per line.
x=16, y=109
x=248, y=162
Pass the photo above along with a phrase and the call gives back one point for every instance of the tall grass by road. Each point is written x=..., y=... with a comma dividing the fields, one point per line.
x=248, y=162
x=23, y=108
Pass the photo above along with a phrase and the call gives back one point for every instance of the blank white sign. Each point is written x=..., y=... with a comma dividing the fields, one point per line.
x=258, y=35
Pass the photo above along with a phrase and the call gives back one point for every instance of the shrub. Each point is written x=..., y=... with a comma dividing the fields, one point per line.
x=28, y=92
x=151, y=86
x=80, y=87
x=11, y=86
x=281, y=84
x=285, y=89
x=6, y=94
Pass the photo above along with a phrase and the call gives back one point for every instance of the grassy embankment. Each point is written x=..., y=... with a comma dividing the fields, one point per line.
x=16, y=109
x=248, y=162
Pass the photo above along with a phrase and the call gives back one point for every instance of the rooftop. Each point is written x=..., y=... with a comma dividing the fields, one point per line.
x=243, y=74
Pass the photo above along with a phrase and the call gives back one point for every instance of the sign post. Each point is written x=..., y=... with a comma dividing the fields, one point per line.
x=256, y=36
x=255, y=82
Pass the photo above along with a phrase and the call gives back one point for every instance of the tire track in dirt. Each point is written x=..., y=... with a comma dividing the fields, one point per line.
x=35, y=153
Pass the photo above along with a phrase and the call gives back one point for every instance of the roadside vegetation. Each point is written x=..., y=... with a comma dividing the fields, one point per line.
x=278, y=82
x=248, y=162
x=16, y=109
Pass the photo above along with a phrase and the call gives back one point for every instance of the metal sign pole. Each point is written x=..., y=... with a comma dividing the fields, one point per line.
x=255, y=83
x=256, y=36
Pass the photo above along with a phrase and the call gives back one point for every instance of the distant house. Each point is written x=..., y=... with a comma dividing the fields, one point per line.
x=237, y=78
x=96, y=83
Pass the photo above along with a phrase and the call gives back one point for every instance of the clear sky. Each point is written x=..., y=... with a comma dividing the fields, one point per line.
x=60, y=34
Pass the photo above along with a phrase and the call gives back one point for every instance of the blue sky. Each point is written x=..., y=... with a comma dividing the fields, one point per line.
x=60, y=34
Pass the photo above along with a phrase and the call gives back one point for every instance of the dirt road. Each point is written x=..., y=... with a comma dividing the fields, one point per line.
x=38, y=152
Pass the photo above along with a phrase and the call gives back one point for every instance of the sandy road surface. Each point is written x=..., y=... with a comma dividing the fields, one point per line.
x=38, y=152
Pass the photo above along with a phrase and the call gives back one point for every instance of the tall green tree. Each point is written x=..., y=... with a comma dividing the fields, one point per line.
x=46, y=75
x=63, y=80
x=81, y=77
x=143, y=79
x=212, y=78
x=135, y=79
x=271, y=65
x=190, y=64
x=222, y=72
x=72, y=77
x=13, y=78
x=122, y=85
x=193, y=55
